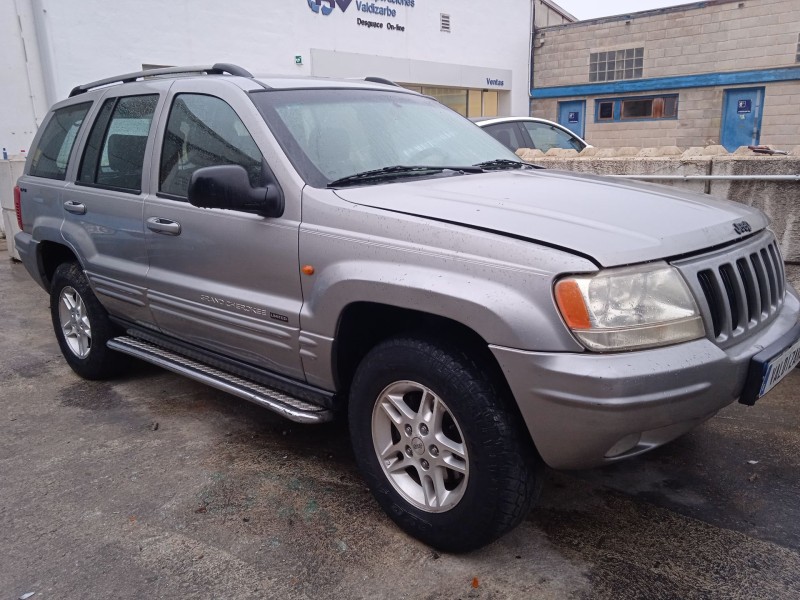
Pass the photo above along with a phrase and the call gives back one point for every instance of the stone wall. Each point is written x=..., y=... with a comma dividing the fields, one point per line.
x=779, y=199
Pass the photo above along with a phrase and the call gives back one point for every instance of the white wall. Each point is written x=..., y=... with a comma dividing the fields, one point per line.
x=86, y=40
x=23, y=103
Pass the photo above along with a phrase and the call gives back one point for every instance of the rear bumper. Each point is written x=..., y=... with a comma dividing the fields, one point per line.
x=27, y=248
x=585, y=410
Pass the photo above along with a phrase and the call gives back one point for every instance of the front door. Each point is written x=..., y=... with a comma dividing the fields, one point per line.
x=741, y=117
x=571, y=115
x=223, y=280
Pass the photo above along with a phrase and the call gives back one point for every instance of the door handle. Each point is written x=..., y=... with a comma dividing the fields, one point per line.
x=165, y=226
x=75, y=208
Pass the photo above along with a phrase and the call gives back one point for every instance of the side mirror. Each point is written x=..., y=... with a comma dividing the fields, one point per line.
x=228, y=187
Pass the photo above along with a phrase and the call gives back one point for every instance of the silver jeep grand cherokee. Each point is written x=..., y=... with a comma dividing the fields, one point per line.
x=323, y=247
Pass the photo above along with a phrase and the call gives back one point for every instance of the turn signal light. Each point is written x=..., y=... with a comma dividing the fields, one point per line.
x=571, y=304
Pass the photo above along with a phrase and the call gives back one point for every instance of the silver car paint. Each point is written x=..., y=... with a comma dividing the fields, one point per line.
x=109, y=235
x=615, y=223
x=457, y=247
x=577, y=406
x=217, y=282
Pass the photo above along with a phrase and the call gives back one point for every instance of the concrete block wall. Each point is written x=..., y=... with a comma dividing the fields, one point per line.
x=779, y=200
x=703, y=37
x=695, y=39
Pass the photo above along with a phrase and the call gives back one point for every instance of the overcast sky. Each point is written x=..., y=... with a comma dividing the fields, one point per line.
x=589, y=9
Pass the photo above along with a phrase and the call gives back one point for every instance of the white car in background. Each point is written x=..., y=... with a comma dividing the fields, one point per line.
x=530, y=132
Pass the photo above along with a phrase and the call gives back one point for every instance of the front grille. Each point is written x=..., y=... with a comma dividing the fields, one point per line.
x=739, y=289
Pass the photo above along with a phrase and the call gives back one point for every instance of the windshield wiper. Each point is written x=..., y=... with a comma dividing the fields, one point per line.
x=397, y=172
x=505, y=163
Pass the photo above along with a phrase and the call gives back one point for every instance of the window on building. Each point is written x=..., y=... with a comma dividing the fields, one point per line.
x=51, y=155
x=637, y=108
x=615, y=65
x=114, y=153
x=444, y=21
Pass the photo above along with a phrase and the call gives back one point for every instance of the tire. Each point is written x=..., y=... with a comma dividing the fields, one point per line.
x=439, y=448
x=81, y=325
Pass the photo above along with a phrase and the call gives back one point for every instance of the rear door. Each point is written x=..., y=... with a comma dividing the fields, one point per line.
x=51, y=163
x=103, y=207
x=224, y=280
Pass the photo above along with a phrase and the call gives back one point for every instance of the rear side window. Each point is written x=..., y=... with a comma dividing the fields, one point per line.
x=204, y=131
x=51, y=156
x=114, y=153
x=507, y=134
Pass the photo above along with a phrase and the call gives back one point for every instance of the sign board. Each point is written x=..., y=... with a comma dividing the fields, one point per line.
x=744, y=106
x=573, y=117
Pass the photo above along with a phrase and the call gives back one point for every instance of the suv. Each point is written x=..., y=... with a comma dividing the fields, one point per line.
x=328, y=247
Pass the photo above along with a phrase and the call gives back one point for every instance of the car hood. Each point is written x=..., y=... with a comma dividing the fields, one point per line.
x=611, y=221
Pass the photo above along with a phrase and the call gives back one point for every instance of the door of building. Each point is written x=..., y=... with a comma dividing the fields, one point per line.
x=571, y=115
x=741, y=117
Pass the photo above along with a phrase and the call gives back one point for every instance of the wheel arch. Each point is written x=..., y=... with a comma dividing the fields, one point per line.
x=363, y=325
x=49, y=256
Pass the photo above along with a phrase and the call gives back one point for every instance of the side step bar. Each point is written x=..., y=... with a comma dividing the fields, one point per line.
x=287, y=406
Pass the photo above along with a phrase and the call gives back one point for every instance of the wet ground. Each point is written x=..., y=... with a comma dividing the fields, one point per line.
x=152, y=486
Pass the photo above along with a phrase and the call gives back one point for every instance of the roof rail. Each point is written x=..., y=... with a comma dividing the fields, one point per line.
x=216, y=69
x=382, y=80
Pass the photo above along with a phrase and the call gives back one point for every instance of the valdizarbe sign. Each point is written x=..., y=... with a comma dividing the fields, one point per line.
x=326, y=7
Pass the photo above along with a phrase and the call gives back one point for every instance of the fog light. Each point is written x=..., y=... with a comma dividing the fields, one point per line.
x=625, y=444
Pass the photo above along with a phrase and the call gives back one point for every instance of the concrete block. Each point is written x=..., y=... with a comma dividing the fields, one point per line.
x=777, y=199
x=562, y=152
x=10, y=171
x=530, y=154
x=706, y=151
x=660, y=151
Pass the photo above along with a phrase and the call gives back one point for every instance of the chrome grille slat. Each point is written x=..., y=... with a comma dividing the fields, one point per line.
x=739, y=289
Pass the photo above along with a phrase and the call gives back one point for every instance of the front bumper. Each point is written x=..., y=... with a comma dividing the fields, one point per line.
x=585, y=410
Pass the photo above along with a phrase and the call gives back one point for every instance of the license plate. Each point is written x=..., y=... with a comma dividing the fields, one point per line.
x=772, y=364
x=779, y=367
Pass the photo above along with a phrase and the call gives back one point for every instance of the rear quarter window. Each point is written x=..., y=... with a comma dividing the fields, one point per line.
x=50, y=158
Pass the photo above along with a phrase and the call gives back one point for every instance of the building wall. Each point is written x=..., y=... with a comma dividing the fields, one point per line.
x=702, y=40
x=23, y=102
x=84, y=40
x=547, y=14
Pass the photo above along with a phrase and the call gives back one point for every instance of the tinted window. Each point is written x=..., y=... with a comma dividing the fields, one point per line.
x=507, y=134
x=114, y=153
x=546, y=136
x=204, y=131
x=51, y=156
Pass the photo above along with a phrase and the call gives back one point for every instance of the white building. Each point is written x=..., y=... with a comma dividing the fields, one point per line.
x=473, y=56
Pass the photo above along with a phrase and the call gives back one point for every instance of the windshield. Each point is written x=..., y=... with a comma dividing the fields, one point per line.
x=329, y=134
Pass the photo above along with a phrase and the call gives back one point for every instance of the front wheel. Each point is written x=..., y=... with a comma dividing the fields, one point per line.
x=81, y=324
x=438, y=446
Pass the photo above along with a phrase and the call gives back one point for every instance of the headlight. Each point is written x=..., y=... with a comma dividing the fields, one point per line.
x=629, y=308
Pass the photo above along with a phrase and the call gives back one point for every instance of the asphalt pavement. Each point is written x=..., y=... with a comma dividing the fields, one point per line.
x=153, y=486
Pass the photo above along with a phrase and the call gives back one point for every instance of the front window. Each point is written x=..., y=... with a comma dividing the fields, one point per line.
x=329, y=134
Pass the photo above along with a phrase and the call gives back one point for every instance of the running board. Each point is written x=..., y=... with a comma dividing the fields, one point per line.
x=285, y=405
